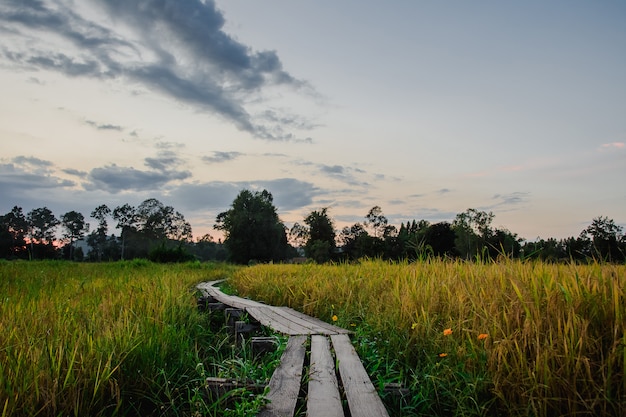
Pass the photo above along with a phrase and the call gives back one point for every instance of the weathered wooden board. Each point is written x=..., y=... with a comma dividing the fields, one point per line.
x=329, y=328
x=324, y=399
x=285, y=382
x=363, y=399
x=232, y=300
x=268, y=317
x=282, y=319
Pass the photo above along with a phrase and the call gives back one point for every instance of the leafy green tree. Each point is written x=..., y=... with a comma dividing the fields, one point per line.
x=440, y=237
x=13, y=230
x=351, y=240
x=320, y=245
x=159, y=222
x=606, y=239
x=98, y=238
x=375, y=220
x=473, y=230
x=42, y=225
x=126, y=217
x=252, y=229
x=75, y=228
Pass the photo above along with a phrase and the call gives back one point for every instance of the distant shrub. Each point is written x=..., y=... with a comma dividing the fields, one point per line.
x=163, y=254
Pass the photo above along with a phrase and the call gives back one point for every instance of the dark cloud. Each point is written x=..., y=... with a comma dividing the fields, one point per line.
x=32, y=162
x=178, y=48
x=218, y=157
x=164, y=161
x=25, y=183
x=288, y=193
x=113, y=178
x=75, y=172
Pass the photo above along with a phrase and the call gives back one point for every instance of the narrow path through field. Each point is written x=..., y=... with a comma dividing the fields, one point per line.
x=335, y=371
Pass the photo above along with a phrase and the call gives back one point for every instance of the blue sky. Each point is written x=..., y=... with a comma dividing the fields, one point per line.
x=423, y=108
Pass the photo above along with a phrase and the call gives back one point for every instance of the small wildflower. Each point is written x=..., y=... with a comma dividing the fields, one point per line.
x=352, y=325
x=483, y=336
x=335, y=318
x=443, y=355
x=447, y=332
x=413, y=326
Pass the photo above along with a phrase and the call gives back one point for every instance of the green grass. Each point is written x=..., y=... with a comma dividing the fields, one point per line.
x=555, y=341
x=114, y=339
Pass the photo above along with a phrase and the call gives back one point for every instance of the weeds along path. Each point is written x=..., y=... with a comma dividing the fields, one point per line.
x=509, y=337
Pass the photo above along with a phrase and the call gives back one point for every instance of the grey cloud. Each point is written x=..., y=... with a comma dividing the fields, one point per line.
x=164, y=161
x=221, y=157
x=335, y=169
x=511, y=199
x=288, y=193
x=104, y=126
x=285, y=119
x=14, y=178
x=32, y=161
x=113, y=178
x=75, y=172
x=224, y=75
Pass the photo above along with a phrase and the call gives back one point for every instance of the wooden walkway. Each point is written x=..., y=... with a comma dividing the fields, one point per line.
x=335, y=371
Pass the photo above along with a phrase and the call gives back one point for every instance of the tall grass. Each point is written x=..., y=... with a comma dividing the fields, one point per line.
x=514, y=338
x=102, y=339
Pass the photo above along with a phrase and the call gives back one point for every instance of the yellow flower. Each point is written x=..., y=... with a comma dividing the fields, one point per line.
x=447, y=332
x=335, y=318
x=413, y=326
x=443, y=355
x=483, y=336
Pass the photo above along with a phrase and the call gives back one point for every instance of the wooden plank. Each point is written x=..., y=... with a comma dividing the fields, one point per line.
x=363, y=400
x=323, y=397
x=286, y=379
x=268, y=317
x=232, y=300
x=327, y=327
x=279, y=316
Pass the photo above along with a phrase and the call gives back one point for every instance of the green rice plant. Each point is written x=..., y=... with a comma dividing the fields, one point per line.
x=105, y=339
x=521, y=338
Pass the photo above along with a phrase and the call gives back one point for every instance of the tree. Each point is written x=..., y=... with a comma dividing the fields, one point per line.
x=75, y=228
x=159, y=222
x=98, y=238
x=320, y=244
x=13, y=230
x=126, y=217
x=440, y=238
x=606, y=239
x=473, y=230
x=41, y=229
x=376, y=221
x=252, y=229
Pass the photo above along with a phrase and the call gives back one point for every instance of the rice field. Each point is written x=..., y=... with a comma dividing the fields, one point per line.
x=507, y=338
x=116, y=339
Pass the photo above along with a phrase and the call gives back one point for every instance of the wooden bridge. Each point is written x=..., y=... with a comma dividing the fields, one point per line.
x=335, y=370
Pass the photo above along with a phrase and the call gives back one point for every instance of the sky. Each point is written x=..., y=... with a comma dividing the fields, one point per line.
x=423, y=108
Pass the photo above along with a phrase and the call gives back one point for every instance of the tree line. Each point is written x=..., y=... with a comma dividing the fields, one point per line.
x=253, y=232
x=150, y=230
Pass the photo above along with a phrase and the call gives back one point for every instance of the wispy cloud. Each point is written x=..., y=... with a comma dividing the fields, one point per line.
x=177, y=48
x=613, y=145
x=218, y=157
x=104, y=126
